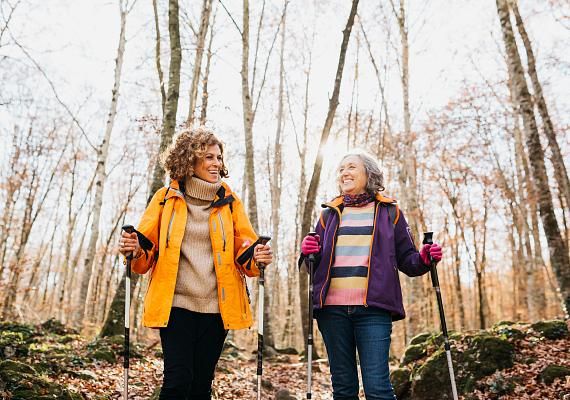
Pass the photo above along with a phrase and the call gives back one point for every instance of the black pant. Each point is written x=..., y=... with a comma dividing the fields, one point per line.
x=191, y=343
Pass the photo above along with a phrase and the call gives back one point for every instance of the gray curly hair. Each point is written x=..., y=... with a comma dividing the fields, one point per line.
x=375, y=177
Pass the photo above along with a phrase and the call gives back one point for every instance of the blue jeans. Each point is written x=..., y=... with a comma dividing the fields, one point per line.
x=346, y=329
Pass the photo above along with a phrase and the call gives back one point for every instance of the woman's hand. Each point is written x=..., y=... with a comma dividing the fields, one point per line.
x=262, y=254
x=129, y=243
x=434, y=250
x=310, y=245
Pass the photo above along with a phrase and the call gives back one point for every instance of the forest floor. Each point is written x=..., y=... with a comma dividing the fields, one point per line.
x=95, y=370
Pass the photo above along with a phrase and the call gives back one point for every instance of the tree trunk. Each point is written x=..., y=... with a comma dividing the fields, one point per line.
x=560, y=172
x=204, y=107
x=102, y=153
x=559, y=258
x=200, y=45
x=309, y=205
x=115, y=316
x=169, y=117
x=248, y=117
x=157, y=57
x=408, y=176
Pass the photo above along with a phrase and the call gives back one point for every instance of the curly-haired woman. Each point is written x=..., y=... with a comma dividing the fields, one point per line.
x=362, y=241
x=197, y=240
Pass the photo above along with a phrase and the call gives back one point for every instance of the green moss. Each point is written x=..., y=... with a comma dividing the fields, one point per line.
x=552, y=372
x=413, y=353
x=400, y=379
x=421, y=338
x=21, y=381
x=488, y=354
x=102, y=355
x=555, y=329
x=57, y=328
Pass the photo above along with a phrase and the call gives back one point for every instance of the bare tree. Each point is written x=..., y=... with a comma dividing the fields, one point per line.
x=309, y=204
x=560, y=172
x=173, y=93
x=115, y=315
x=102, y=154
x=200, y=45
x=558, y=248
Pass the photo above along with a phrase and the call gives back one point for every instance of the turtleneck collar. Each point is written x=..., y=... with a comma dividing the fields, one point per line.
x=357, y=200
x=201, y=189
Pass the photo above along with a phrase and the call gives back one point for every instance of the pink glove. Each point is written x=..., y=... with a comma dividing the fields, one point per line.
x=310, y=245
x=433, y=250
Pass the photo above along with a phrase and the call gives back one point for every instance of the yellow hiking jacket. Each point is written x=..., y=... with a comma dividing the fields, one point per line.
x=161, y=230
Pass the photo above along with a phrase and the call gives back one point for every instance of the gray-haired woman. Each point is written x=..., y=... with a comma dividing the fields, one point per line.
x=362, y=241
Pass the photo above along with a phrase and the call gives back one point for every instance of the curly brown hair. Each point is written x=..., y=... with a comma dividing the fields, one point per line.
x=189, y=146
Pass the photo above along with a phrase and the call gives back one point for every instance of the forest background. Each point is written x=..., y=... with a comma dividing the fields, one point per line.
x=464, y=103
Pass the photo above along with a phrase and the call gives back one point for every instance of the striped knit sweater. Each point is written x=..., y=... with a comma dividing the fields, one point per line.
x=352, y=257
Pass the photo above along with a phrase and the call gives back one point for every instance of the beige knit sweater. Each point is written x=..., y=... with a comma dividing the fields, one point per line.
x=196, y=284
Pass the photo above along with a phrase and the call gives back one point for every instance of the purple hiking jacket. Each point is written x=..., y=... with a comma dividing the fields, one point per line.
x=392, y=249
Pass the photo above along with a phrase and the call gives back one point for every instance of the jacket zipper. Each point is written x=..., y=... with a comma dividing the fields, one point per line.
x=223, y=231
x=170, y=227
x=370, y=255
x=332, y=253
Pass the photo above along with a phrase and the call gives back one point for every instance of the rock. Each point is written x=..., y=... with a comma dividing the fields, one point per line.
x=552, y=372
x=555, y=329
x=110, y=348
x=400, y=379
x=284, y=394
x=22, y=382
x=413, y=353
x=507, y=330
x=57, y=328
x=488, y=354
x=421, y=338
x=15, y=339
x=102, y=355
x=288, y=350
x=500, y=385
x=485, y=354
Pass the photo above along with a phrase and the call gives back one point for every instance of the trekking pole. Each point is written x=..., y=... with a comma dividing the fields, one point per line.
x=262, y=240
x=129, y=229
x=310, y=333
x=428, y=239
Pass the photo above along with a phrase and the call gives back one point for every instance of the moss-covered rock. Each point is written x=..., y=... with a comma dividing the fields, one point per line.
x=110, y=348
x=508, y=330
x=55, y=327
x=487, y=354
x=421, y=338
x=102, y=355
x=484, y=355
x=15, y=340
x=413, y=353
x=499, y=384
x=22, y=382
x=552, y=372
x=555, y=329
x=400, y=379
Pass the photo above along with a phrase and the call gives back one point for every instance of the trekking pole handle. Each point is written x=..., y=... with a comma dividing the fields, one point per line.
x=428, y=239
x=312, y=256
x=263, y=240
x=129, y=229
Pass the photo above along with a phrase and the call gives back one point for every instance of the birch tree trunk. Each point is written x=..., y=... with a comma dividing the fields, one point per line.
x=558, y=249
x=306, y=224
x=408, y=175
x=173, y=93
x=115, y=316
x=248, y=117
x=200, y=45
x=560, y=171
x=102, y=154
